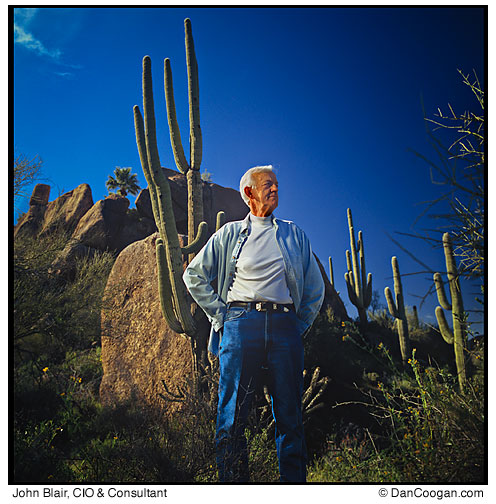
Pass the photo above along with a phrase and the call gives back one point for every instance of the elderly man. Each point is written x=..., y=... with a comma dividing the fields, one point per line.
x=270, y=290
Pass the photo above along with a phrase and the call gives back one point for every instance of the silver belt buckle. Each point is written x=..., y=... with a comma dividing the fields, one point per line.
x=259, y=307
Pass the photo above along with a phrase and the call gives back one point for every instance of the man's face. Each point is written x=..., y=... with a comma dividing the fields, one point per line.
x=264, y=196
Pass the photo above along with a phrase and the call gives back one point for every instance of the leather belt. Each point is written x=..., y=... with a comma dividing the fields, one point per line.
x=262, y=306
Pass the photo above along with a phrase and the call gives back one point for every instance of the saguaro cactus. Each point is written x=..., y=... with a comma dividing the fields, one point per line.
x=176, y=307
x=358, y=283
x=397, y=310
x=457, y=336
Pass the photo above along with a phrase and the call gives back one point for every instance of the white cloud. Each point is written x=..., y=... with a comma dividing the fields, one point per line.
x=26, y=39
x=24, y=15
x=65, y=75
x=23, y=35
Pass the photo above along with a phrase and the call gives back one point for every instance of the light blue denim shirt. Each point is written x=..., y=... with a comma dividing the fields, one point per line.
x=217, y=259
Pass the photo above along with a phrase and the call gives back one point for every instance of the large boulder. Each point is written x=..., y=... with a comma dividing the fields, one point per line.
x=138, y=348
x=100, y=226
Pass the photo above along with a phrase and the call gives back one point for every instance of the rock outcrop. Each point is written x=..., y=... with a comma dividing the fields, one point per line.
x=40, y=196
x=67, y=210
x=109, y=224
x=30, y=222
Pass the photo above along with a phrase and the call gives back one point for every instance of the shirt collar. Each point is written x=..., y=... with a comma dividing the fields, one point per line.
x=246, y=224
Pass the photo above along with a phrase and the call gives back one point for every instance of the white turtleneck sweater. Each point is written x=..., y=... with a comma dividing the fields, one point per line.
x=260, y=274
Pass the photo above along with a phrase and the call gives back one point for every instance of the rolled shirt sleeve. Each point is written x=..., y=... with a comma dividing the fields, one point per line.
x=312, y=295
x=198, y=276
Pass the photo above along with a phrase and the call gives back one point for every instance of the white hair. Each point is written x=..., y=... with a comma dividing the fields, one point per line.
x=247, y=180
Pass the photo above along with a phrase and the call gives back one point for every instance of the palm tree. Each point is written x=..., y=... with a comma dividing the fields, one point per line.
x=124, y=181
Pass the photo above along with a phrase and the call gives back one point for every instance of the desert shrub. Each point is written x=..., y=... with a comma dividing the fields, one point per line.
x=431, y=432
x=52, y=313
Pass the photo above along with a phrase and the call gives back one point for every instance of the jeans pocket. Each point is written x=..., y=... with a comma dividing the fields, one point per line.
x=234, y=313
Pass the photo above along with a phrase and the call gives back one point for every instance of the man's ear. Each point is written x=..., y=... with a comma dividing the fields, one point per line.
x=248, y=192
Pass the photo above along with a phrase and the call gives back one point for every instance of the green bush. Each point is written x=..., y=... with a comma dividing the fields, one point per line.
x=430, y=433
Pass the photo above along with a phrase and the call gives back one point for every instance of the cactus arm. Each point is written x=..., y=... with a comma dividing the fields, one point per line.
x=199, y=241
x=364, y=278
x=446, y=332
x=398, y=288
x=331, y=272
x=390, y=302
x=140, y=141
x=175, y=134
x=164, y=288
x=350, y=269
x=221, y=220
x=194, y=99
x=351, y=291
x=441, y=294
x=367, y=298
x=453, y=278
x=348, y=260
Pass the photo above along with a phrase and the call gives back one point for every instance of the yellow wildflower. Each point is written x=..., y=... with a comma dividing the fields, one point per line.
x=45, y=369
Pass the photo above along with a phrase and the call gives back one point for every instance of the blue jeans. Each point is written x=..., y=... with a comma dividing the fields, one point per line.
x=252, y=340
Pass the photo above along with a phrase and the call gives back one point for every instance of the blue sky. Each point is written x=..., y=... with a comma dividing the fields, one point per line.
x=332, y=97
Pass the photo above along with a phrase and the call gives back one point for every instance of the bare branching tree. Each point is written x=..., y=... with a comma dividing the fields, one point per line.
x=26, y=171
x=460, y=171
